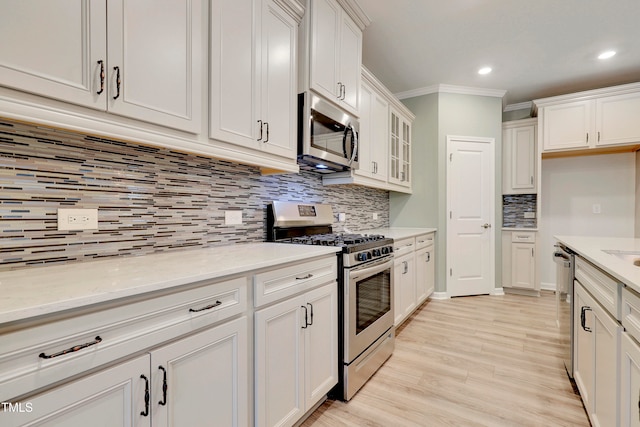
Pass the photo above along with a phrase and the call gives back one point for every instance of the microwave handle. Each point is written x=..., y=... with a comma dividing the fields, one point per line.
x=354, y=153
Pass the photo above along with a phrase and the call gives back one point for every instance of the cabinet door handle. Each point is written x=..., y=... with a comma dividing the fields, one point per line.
x=101, y=62
x=267, y=125
x=260, y=121
x=163, y=402
x=587, y=136
x=71, y=350
x=344, y=92
x=598, y=136
x=428, y=256
x=583, y=318
x=406, y=267
x=209, y=307
x=145, y=413
x=306, y=316
x=532, y=253
x=118, y=81
x=339, y=90
x=310, y=313
x=531, y=179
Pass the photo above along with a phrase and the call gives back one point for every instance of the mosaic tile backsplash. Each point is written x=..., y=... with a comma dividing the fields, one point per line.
x=514, y=207
x=148, y=199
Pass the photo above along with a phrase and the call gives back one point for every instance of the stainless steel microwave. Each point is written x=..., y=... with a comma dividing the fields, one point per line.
x=327, y=136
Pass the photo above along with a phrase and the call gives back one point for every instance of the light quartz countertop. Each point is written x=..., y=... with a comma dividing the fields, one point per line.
x=592, y=249
x=397, y=233
x=519, y=229
x=36, y=291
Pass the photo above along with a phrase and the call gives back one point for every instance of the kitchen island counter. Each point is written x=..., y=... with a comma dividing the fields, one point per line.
x=593, y=249
x=37, y=291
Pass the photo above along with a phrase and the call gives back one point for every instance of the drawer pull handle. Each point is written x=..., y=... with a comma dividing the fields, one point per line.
x=209, y=307
x=583, y=318
x=145, y=413
x=163, y=402
x=308, y=276
x=70, y=350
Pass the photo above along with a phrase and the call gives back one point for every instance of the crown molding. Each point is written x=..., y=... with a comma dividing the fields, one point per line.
x=356, y=13
x=521, y=106
x=444, y=88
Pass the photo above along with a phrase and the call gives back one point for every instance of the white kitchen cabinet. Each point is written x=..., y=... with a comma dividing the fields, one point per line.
x=335, y=54
x=296, y=355
x=168, y=386
x=379, y=109
x=519, y=157
x=404, y=271
x=400, y=149
x=374, y=131
x=112, y=397
x=425, y=267
x=590, y=119
x=596, y=358
x=253, y=91
x=629, y=381
x=519, y=271
x=137, y=59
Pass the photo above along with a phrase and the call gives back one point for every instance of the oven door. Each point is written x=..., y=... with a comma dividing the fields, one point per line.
x=368, y=305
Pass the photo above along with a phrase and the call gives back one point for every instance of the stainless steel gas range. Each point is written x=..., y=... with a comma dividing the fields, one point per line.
x=365, y=279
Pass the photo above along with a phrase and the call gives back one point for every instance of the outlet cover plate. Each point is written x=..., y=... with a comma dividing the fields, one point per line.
x=77, y=219
x=232, y=217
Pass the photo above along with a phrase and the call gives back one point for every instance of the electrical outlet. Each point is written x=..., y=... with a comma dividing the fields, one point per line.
x=596, y=209
x=232, y=217
x=375, y=215
x=342, y=217
x=77, y=219
x=529, y=215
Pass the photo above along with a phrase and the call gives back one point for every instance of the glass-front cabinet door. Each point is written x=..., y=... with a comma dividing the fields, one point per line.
x=400, y=152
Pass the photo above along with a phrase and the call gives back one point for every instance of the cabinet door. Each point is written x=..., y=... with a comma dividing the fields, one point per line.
x=279, y=367
x=605, y=387
x=380, y=137
x=425, y=274
x=395, y=160
x=156, y=48
x=630, y=382
x=207, y=370
x=112, y=397
x=233, y=73
x=567, y=126
x=321, y=343
x=325, y=43
x=583, y=362
x=350, y=63
x=404, y=287
x=617, y=119
x=366, y=151
x=405, y=152
x=523, y=163
x=60, y=44
x=279, y=81
x=523, y=265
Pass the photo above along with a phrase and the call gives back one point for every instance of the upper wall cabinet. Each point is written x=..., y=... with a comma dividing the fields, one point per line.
x=519, y=157
x=384, y=150
x=137, y=59
x=253, y=75
x=333, y=52
x=592, y=119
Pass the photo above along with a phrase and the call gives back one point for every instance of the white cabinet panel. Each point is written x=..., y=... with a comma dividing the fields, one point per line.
x=350, y=62
x=630, y=382
x=523, y=264
x=519, y=157
x=60, y=44
x=617, y=119
x=405, y=297
x=567, y=126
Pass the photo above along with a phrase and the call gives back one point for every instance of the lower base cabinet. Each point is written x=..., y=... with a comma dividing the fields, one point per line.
x=596, y=358
x=195, y=381
x=630, y=381
x=296, y=355
x=404, y=272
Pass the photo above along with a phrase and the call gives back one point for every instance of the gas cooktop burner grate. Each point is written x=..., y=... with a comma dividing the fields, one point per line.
x=334, y=239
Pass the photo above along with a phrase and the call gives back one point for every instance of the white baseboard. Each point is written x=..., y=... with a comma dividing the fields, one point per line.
x=497, y=291
x=439, y=295
x=546, y=286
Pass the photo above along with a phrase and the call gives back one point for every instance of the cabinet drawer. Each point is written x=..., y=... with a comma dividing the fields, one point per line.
x=605, y=289
x=403, y=246
x=274, y=285
x=34, y=355
x=631, y=312
x=424, y=240
x=523, y=236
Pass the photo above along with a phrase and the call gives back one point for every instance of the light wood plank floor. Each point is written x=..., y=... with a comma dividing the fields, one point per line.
x=471, y=361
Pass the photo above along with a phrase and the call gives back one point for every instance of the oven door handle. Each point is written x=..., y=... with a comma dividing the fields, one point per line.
x=370, y=271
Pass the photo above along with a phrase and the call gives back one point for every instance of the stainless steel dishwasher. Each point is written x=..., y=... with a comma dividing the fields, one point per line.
x=565, y=261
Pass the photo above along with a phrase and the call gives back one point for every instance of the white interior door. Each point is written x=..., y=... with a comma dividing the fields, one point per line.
x=470, y=207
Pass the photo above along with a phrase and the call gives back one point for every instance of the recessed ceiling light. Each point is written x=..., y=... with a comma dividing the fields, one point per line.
x=606, y=55
x=484, y=70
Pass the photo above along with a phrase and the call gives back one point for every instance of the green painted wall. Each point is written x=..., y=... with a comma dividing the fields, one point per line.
x=439, y=115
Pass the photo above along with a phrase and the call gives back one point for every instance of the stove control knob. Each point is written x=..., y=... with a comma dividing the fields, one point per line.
x=362, y=256
x=376, y=252
x=385, y=250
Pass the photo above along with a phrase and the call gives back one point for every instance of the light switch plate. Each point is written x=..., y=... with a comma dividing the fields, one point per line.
x=232, y=217
x=77, y=219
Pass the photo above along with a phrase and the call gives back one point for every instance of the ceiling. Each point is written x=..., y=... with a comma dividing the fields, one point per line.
x=536, y=48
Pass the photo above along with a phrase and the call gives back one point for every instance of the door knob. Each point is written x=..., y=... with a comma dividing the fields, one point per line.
x=486, y=226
